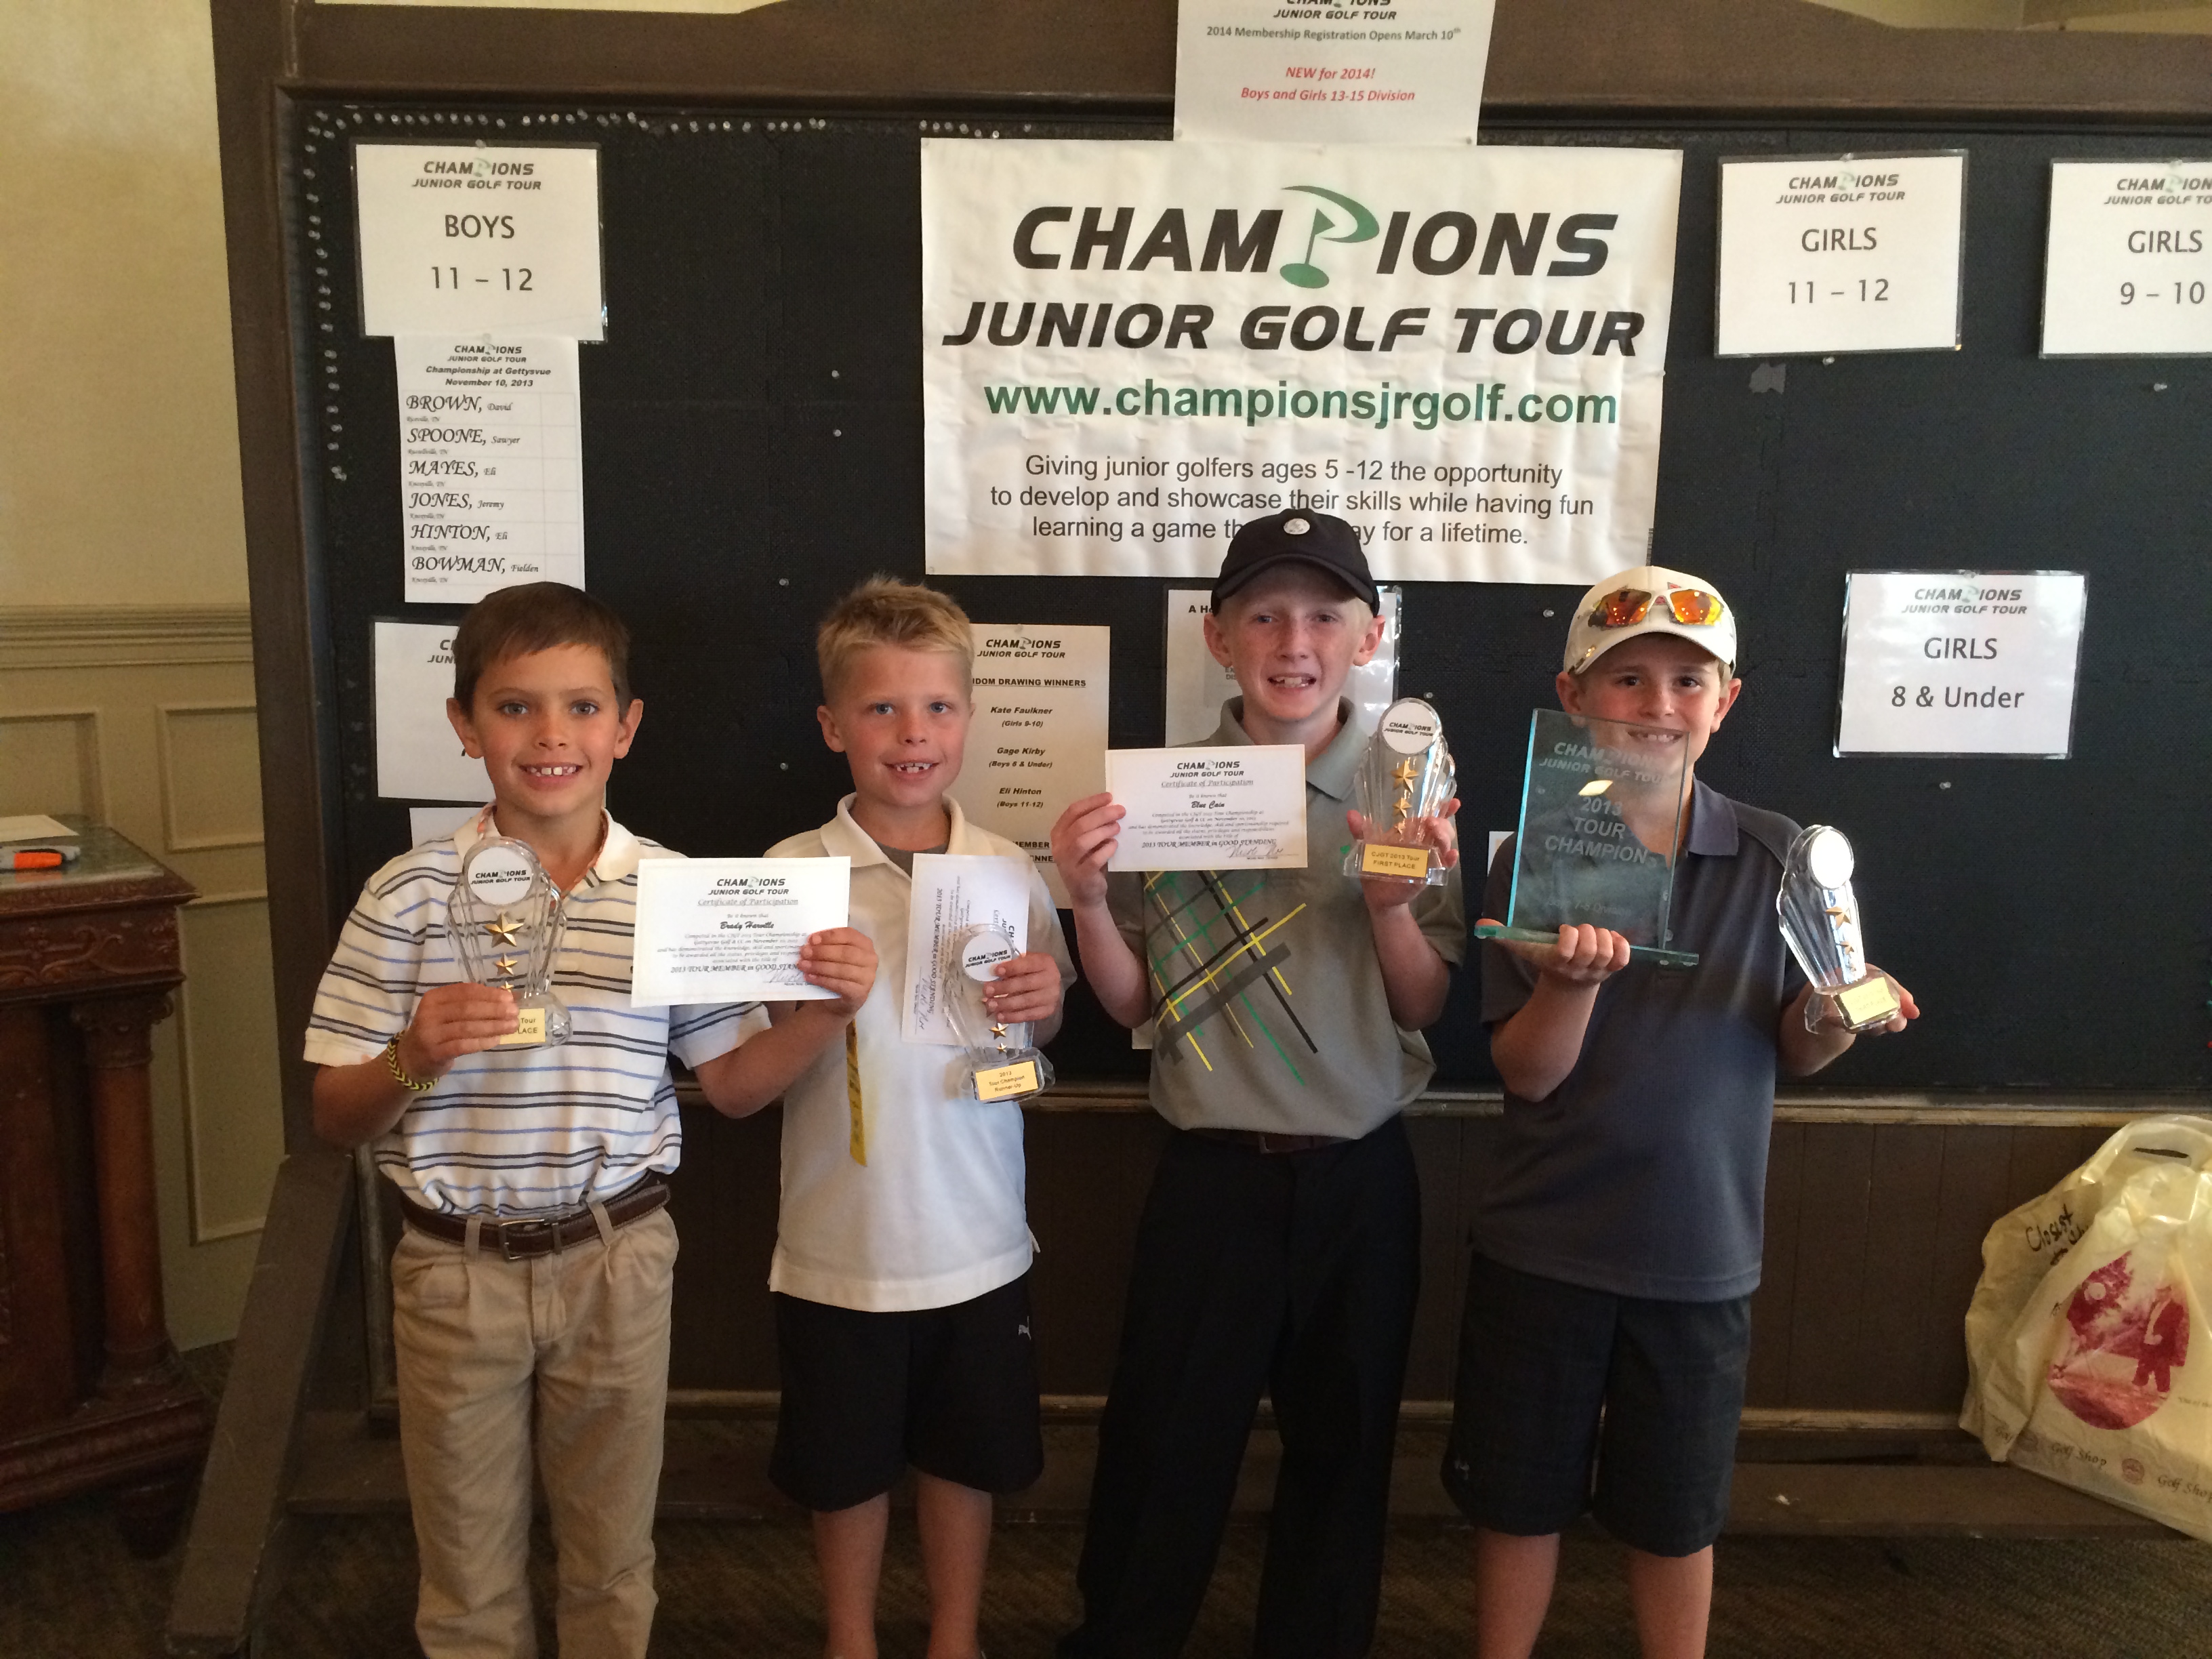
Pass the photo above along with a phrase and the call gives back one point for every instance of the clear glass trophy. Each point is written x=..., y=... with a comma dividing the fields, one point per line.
x=1407, y=773
x=505, y=921
x=1000, y=1064
x=1821, y=924
x=1601, y=823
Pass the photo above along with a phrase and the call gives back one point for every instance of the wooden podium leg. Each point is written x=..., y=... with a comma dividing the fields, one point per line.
x=118, y=1047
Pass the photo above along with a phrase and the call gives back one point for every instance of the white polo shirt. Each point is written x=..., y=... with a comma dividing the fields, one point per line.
x=528, y=1128
x=938, y=1214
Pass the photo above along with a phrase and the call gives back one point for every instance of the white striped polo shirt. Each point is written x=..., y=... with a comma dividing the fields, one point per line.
x=531, y=1129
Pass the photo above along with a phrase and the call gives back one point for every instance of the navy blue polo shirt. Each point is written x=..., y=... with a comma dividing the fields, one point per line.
x=1644, y=1173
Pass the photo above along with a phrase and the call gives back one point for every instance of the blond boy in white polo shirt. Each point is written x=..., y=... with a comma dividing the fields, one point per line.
x=902, y=1246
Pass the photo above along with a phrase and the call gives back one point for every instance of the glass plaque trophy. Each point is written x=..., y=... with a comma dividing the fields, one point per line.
x=1821, y=924
x=1000, y=1064
x=1601, y=814
x=505, y=920
x=1407, y=773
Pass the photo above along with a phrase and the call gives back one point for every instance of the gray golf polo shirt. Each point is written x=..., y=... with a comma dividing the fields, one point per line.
x=1644, y=1173
x=1271, y=1013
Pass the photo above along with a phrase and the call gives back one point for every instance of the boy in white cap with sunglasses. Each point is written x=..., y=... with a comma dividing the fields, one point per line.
x=1617, y=1238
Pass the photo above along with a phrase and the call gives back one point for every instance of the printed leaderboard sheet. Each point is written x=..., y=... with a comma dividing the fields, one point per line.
x=491, y=466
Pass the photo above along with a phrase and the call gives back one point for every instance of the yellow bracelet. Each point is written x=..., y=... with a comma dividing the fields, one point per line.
x=399, y=1073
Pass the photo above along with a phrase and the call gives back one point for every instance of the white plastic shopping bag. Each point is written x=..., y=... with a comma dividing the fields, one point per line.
x=2078, y=1339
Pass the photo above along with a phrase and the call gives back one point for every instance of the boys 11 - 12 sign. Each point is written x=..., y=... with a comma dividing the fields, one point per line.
x=1131, y=348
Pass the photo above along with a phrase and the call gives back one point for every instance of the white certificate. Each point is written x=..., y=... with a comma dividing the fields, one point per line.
x=729, y=930
x=1198, y=685
x=1960, y=662
x=1038, y=740
x=1837, y=253
x=1239, y=807
x=479, y=239
x=2127, y=271
x=1407, y=73
x=953, y=891
x=418, y=755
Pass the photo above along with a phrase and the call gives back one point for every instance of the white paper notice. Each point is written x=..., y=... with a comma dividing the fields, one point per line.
x=1359, y=71
x=1038, y=740
x=1198, y=685
x=1838, y=254
x=477, y=239
x=729, y=930
x=1960, y=662
x=952, y=891
x=428, y=824
x=1240, y=807
x=2128, y=269
x=418, y=755
x=33, y=826
x=491, y=466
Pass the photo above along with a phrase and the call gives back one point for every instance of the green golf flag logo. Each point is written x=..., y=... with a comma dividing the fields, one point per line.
x=1360, y=226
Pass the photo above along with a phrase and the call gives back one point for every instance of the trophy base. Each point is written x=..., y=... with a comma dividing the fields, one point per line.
x=543, y=1023
x=1387, y=858
x=1867, y=1005
x=1013, y=1074
x=1651, y=953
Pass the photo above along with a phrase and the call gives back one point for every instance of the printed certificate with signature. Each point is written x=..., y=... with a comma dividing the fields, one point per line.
x=729, y=930
x=1239, y=807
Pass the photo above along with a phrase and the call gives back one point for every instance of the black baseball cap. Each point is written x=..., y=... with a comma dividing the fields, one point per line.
x=1309, y=537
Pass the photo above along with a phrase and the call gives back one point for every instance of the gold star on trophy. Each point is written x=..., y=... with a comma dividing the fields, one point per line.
x=504, y=929
x=1403, y=806
x=506, y=966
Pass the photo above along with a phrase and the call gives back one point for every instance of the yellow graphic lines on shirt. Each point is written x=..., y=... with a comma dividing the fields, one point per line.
x=1218, y=962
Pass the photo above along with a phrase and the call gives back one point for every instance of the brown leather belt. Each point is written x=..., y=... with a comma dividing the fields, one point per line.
x=518, y=1237
x=1262, y=1140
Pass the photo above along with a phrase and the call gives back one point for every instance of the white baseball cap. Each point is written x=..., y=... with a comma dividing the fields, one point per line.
x=1650, y=599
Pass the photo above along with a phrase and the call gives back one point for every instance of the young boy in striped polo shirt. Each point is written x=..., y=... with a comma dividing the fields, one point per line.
x=531, y=1288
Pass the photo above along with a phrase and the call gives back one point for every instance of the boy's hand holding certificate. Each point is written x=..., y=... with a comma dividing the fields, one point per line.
x=1237, y=807
x=730, y=930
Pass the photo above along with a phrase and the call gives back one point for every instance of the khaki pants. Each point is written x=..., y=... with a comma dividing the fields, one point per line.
x=583, y=1335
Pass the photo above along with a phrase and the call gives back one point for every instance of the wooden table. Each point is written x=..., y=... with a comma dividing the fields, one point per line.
x=91, y=1393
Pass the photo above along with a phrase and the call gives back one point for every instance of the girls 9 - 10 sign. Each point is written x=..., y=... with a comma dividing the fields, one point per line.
x=2128, y=269
x=1841, y=254
x=1129, y=349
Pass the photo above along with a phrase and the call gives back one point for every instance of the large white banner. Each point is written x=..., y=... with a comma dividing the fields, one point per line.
x=1132, y=348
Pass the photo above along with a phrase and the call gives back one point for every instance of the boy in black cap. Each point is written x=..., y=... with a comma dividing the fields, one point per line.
x=1279, y=1246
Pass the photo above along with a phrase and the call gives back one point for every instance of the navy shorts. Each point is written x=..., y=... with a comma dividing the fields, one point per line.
x=952, y=1391
x=1572, y=1400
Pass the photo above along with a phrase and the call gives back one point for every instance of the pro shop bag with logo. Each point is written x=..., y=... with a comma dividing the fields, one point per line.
x=2078, y=1339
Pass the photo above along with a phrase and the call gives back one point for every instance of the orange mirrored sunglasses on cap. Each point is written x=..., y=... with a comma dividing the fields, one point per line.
x=1624, y=607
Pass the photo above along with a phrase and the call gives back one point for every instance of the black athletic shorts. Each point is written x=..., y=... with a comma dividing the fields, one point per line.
x=952, y=1391
x=1572, y=1400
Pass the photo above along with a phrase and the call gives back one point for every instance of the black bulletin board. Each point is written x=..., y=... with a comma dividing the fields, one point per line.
x=752, y=433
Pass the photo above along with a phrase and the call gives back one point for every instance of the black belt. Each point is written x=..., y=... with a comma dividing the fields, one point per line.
x=1263, y=1140
x=518, y=1237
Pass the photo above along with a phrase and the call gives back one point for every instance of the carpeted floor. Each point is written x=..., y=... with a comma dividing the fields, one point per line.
x=68, y=1589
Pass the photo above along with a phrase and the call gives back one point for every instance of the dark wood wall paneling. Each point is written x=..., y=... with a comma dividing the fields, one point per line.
x=1874, y=1244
